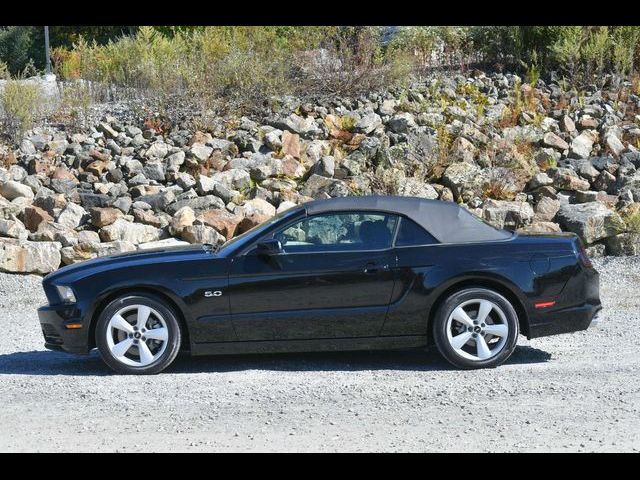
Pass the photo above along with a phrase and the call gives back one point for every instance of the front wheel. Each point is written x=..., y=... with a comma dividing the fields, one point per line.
x=138, y=334
x=476, y=328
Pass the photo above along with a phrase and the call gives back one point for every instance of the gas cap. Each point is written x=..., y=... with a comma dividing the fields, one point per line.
x=539, y=264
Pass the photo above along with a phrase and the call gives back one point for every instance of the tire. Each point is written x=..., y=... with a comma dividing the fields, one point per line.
x=130, y=344
x=489, y=342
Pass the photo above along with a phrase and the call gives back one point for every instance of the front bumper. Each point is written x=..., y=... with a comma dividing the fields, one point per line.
x=53, y=321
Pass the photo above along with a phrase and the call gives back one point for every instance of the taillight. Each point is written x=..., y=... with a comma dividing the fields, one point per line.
x=583, y=257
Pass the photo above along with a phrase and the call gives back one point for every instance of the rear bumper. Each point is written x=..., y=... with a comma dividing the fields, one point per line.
x=567, y=320
x=53, y=321
x=577, y=307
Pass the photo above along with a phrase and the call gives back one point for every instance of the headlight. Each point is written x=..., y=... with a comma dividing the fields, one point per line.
x=66, y=294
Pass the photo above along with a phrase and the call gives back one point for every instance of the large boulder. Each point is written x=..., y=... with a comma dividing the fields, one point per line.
x=541, y=227
x=464, y=179
x=306, y=127
x=615, y=144
x=462, y=150
x=12, y=190
x=540, y=179
x=568, y=179
x=149, y=217
x=129, y=232
x=292, y=168
x=318, y=186
x=291, y=144
x=235, y=179
x=198, y=204
x=157, y=150
x=591, y=221
x=256, y=206
x=410, y=187
x=181, y=219
x=8, y=210
x=73, y=216
x=54, y=232
x=88, y=250
x=623, y=244
x=34, y=216
x=200, y=151
x=507, y=214
x=222, y=220
x=325, y=167
x=401, y=122
x=29, y=257
x=13, y=228
x=552, y=140
x=101, y=217
x=367, y=123
x=581, y=145
x=250, y=221
x=202, y=234
x=546, y=209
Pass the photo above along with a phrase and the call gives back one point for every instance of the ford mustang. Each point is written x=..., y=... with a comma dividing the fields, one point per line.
x=354, y=273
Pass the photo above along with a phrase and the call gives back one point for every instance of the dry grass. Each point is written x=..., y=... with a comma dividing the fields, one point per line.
x=502, y=184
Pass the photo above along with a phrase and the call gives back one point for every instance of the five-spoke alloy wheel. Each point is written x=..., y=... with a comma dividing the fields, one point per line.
x=138, y=334
x=476, y=328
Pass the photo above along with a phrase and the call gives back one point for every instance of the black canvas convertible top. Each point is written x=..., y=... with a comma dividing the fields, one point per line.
x=448, y=222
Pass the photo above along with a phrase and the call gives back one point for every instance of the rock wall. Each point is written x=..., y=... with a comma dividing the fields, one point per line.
x=521, y=157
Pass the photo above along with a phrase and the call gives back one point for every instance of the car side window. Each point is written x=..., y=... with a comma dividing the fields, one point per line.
x=338, y=232
x=410, y=233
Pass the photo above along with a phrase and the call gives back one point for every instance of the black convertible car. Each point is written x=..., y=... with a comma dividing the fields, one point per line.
x=354, y=273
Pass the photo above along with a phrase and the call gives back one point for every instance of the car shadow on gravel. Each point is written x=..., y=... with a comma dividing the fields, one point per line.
x=45, y=362
x=39, y=362
x=417, y=360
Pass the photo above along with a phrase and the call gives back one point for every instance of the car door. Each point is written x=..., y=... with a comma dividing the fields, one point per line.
x=333, y=279
x=419, y=261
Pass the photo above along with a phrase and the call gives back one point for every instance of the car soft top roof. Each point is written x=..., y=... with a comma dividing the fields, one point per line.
x=448, y=222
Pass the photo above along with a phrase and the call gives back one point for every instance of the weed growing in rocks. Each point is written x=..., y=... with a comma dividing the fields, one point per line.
x=21, y=103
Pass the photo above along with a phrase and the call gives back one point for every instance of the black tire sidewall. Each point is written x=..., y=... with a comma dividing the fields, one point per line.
x=170, y=318
x=440, y=328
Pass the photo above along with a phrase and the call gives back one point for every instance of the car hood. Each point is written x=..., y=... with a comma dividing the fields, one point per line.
x=121, y=260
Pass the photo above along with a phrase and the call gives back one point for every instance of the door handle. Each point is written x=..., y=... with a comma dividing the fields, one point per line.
x=373, y=267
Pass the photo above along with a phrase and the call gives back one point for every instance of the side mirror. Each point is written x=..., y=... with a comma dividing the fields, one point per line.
x=269, y=248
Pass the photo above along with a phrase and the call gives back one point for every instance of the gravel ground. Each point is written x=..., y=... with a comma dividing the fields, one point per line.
x=577, y=392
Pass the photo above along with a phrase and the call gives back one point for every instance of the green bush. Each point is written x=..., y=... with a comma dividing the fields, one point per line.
x=244, y=65
x=582, y=52
x=21, y=102
x=17, y=47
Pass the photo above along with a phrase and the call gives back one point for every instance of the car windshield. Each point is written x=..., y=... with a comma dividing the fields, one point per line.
x=255, y=230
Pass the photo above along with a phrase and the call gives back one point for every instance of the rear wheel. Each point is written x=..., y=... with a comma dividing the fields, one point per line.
x=138, y=334
x=476, y=328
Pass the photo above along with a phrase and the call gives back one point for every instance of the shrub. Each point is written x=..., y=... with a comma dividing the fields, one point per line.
x=501, y=184
x=582, y=52
x=245, y=66
x=630, y=217
x=21, y=102
x=73, y=109
x=626, y=42
x=66, y=62
x=511, y=114
x=478, y=100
